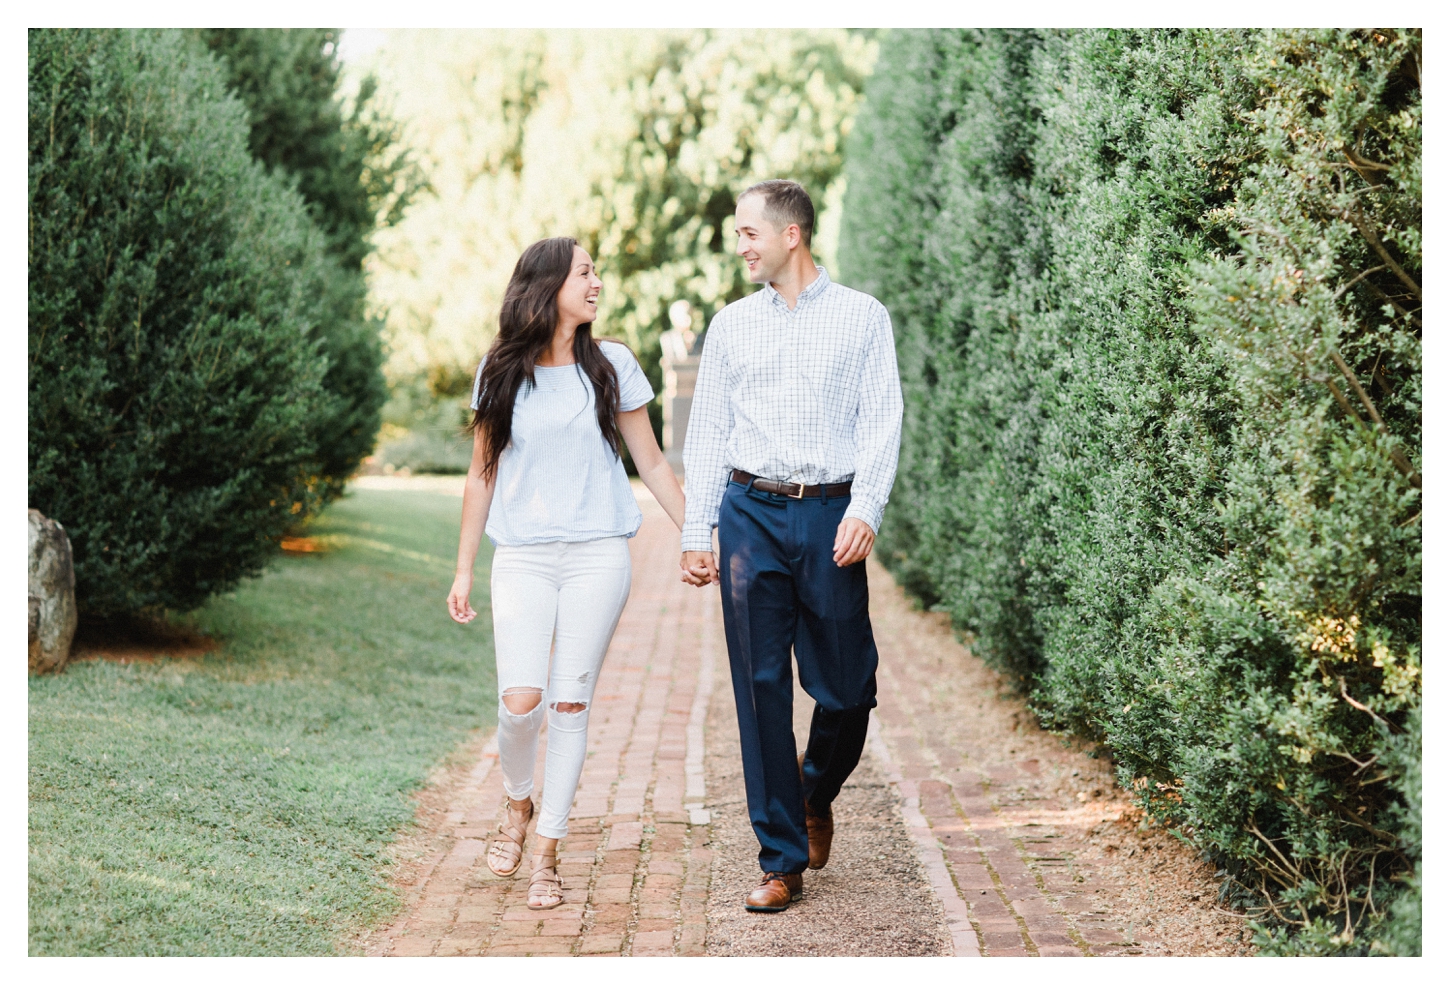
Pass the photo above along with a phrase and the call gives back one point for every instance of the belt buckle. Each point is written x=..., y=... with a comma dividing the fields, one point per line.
x=800, y=492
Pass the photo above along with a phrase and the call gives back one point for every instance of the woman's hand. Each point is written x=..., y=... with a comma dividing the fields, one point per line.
x=477, y=494
x=458, y=606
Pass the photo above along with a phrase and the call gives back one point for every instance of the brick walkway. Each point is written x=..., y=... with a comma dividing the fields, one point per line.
x=1015, y=835
x=636, y=862
x=1030, y=845
x=1004, y=889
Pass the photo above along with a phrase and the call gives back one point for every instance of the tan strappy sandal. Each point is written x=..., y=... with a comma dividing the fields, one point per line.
x=546, y=889
x=506, y=853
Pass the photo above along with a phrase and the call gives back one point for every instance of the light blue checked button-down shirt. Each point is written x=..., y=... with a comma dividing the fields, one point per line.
x=810, y=396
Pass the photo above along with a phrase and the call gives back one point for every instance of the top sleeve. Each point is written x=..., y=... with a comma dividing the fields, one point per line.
x=878, y=424
x=634, y=388
x=706, y=440
x=477, y=382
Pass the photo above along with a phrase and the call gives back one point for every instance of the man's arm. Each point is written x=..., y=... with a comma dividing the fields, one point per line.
x=878, y=441
x=706, y=471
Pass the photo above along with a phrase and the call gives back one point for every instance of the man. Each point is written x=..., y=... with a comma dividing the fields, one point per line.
x=791, y=451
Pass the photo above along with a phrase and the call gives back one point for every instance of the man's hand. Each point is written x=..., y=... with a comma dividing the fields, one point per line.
x=854, y=541
x=698, y=568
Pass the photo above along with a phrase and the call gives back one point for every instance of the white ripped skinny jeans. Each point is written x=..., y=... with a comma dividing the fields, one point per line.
x=566, y=597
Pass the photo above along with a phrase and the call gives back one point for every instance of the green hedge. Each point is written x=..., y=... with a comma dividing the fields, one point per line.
x=1158, y=323
x=175, y=367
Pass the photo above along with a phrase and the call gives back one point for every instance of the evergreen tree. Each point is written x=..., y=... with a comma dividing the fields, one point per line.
x=350, y=170
x=177, y=294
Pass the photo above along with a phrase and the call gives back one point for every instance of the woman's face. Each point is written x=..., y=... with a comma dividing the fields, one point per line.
x=578, y=299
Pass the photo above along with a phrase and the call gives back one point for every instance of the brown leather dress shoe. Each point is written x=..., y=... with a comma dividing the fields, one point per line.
x=775, y=892
x=820, y=827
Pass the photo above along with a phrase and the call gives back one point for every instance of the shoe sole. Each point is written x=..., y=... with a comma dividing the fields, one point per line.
x=503, y=875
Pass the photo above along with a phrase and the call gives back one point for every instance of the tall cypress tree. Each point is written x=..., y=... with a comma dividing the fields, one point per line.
x=349, y=168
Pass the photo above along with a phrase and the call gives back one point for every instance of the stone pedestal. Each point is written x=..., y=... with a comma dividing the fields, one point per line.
x=52, y=594
x=680, y=364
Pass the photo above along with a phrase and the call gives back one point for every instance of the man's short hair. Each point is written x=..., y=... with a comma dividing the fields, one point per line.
x=786, y=203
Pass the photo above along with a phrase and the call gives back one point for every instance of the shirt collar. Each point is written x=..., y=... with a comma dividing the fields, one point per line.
x=814, y=288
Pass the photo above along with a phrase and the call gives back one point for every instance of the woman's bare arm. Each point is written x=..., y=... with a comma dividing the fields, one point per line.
x=477, y=496
x=654, y=471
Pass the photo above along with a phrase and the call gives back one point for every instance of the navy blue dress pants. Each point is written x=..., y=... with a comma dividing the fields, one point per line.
x=782, y=590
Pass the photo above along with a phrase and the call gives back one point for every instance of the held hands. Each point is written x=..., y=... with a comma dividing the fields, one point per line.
x=698, y=568
x=854, y=541
x=458, y=606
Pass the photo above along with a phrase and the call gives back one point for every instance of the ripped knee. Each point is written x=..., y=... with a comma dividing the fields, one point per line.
x=522, y=700
x=569, y=716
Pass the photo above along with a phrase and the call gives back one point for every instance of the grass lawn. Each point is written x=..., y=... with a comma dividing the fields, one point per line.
x=240, y=803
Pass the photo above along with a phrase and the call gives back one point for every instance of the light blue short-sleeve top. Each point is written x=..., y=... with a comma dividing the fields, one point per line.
x=558, y=479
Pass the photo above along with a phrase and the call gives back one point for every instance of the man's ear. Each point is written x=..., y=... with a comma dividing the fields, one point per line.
x=792, y=236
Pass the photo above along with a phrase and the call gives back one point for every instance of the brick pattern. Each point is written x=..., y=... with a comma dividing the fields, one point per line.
x=993, y=850
x=634, y=866
x=637, y=861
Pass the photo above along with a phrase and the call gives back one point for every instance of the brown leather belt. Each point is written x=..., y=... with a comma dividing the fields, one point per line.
x=794, y=490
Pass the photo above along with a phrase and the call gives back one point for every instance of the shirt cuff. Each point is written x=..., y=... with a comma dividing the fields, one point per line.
x=867, y=513
x=696, y=537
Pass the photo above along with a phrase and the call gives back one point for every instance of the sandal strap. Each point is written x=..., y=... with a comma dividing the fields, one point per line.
x=502, y=848
x=545, y=873
x=540, y=865
x=545, y=886
x=506, y=850
x=516, y=831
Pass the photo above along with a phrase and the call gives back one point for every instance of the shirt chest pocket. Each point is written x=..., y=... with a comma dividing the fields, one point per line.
x=831, y=367
x=836, y=371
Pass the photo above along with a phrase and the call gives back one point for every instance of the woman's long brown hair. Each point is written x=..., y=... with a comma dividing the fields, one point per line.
x=526, y=324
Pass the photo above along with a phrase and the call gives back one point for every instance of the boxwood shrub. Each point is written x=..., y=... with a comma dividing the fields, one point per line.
x=1158, y=317
x=175, y=367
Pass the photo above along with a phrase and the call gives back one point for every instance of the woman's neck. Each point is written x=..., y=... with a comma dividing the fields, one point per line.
x=560, y=351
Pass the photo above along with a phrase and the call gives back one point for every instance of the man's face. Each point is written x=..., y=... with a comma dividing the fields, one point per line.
x=765, y=249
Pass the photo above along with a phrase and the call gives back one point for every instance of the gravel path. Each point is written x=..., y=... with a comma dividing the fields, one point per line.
x=872, y=898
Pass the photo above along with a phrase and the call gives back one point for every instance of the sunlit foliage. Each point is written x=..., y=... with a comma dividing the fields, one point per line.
x=345, y=159
x=203, y=373
x=636, y=142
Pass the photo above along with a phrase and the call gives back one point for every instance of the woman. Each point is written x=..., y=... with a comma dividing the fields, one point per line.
x=551, y=405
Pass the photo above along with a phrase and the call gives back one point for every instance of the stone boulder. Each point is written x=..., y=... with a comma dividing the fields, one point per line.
x=52, y=595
